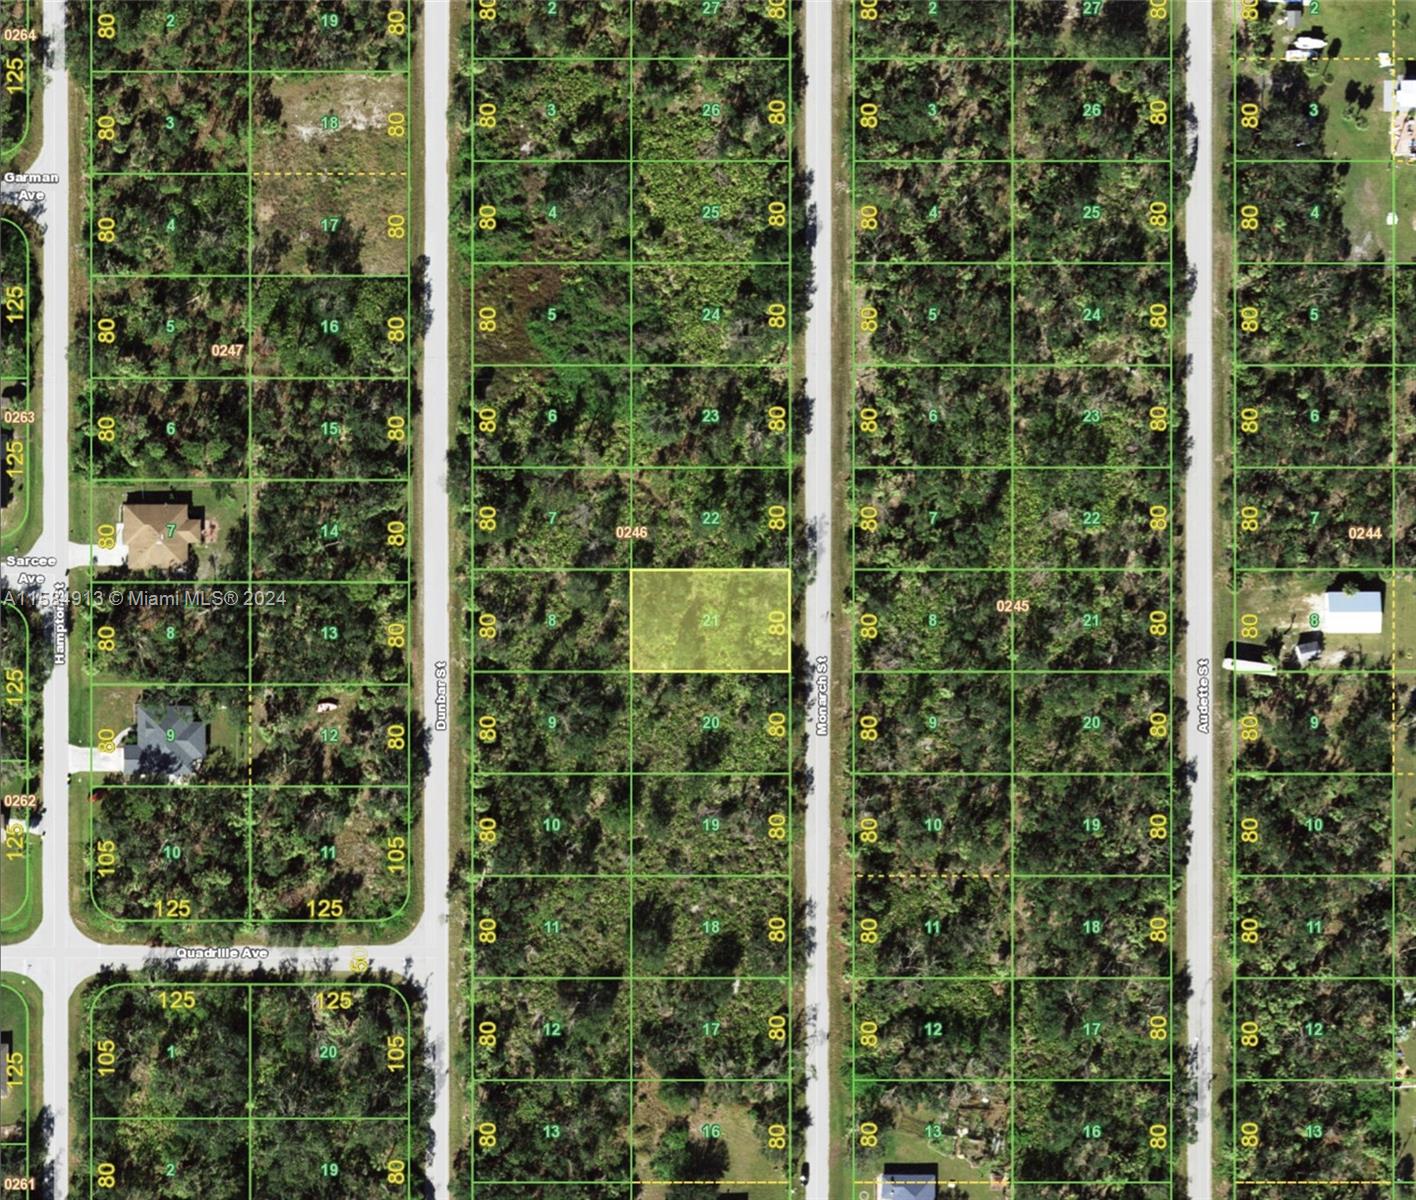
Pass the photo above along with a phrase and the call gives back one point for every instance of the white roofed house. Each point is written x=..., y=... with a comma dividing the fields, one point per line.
x=1309, y=648
x=1352, y=612
x=907, y=1181
x=1399, y=99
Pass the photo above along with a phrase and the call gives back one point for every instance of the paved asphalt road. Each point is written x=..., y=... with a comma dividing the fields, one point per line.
x=819, y=142
x=1200, y=674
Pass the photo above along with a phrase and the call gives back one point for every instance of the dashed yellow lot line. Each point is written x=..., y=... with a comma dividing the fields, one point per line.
x=935, y=875
x=381, y=174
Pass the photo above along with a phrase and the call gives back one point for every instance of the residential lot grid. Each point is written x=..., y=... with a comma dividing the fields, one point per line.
x=1012, y=765
x=256, y=1034
x=250, y=330
x=1322, y=581
x=632, y=919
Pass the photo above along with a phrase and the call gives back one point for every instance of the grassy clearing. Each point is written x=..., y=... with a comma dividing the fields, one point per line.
x=1405, y=822
x=1402, y=591
x=1366, y=201
x=1406, y=1099
x=1405, y=209
x=20, y=520
x=21, y=892
x=654, y=1113
x=292, y=215
x=691, y=620
x=1286, y=602
x=333, y=123
x=1349, y=78
x=22, y=1010
x=80, y=522
x=1353, y=28
x=113, y=707
x=949, y=1154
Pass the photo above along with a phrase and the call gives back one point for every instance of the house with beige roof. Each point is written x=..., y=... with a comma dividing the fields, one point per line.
x=159, y=536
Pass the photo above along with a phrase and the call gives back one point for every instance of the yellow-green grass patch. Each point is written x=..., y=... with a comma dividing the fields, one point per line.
x=699, y=620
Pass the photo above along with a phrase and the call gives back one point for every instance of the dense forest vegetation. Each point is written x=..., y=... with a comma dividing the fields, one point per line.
x=1321, y=927
x=1016, y=813
x=251, y=332
x=21, y=313
x=339, y=1071
x=635, y=236
x=27, y=659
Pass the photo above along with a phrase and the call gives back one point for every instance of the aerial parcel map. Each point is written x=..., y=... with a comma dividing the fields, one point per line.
x=708, y=599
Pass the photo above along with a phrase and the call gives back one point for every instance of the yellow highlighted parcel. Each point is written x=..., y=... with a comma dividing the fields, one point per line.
x=699, y=620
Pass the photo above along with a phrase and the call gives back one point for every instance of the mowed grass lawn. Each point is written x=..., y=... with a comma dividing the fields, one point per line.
x=20, y=891
x=1350, y=77
x=22, y=1015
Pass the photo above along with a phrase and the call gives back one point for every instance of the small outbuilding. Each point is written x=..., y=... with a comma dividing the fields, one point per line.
x=1247, y=658
x=1309, y=647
